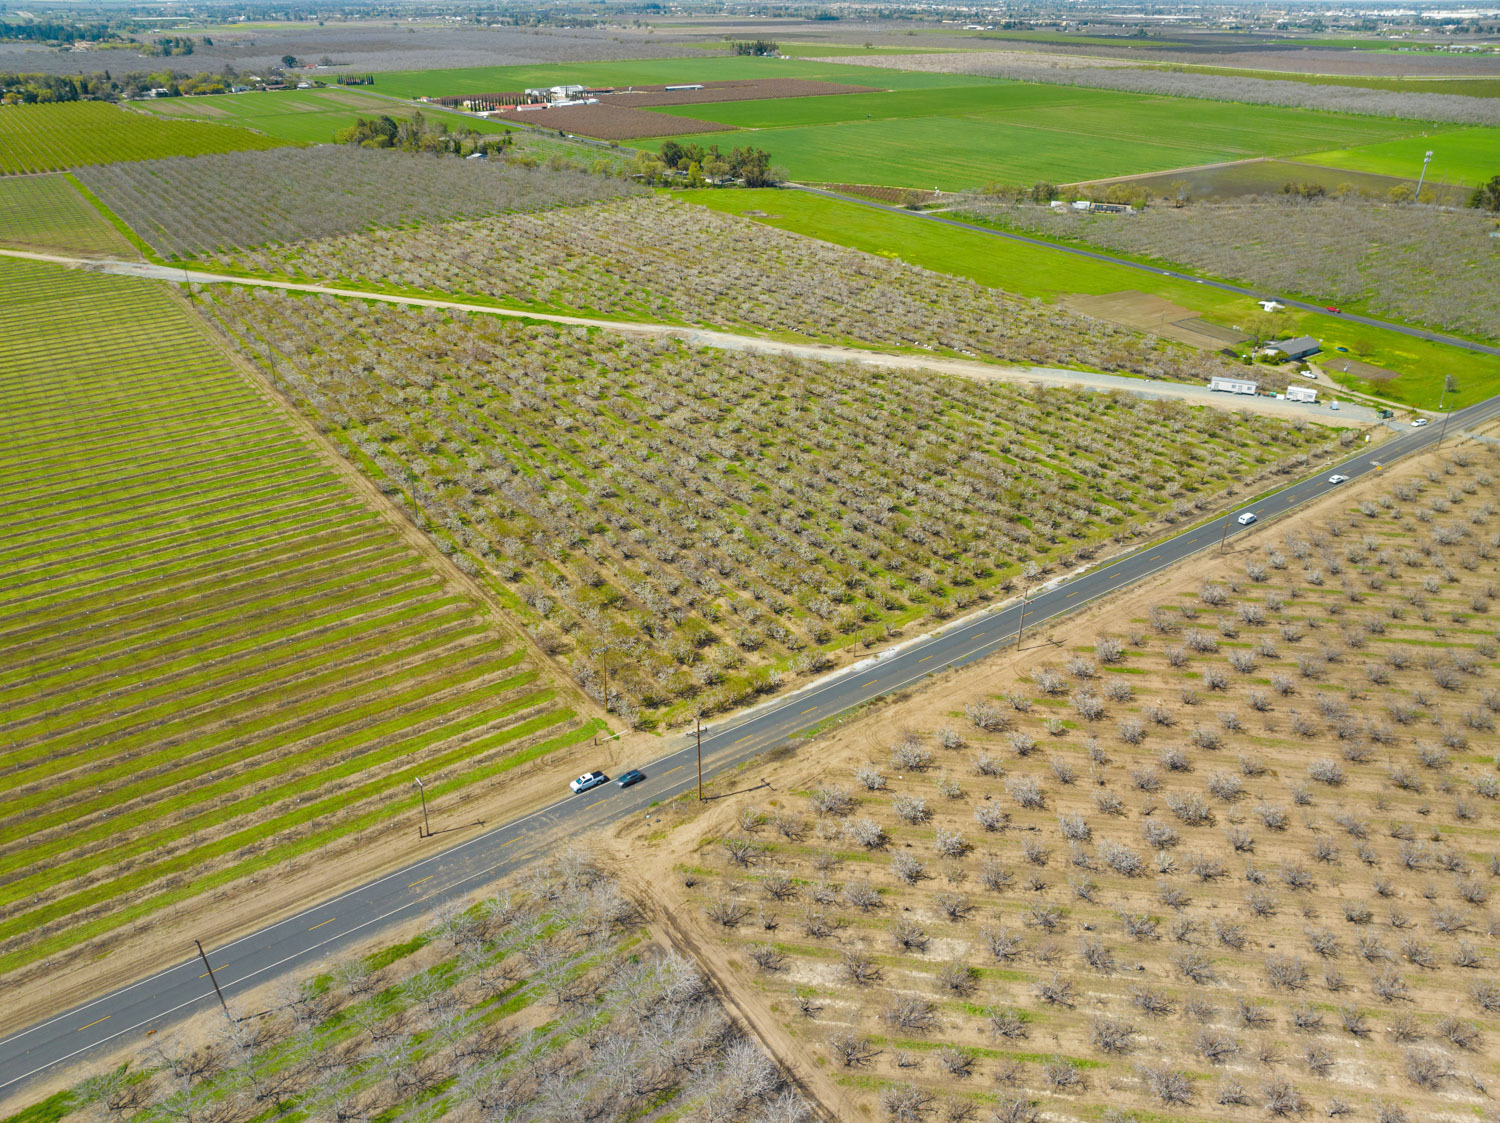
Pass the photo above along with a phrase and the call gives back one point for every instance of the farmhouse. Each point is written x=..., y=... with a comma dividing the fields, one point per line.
x=1299, y=348
x=554, y=93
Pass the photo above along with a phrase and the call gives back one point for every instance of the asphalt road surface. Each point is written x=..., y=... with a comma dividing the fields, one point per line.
x=329, y=927
x=1225, y=286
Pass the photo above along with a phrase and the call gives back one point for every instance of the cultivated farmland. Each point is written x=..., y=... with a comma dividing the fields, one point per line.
x=1425, y=264
x=657, y=259
x=68, y=134
x=652, y=72
x=542, y=1002
x=1462, y=156
x=1323, y=100
x=607, y=121
x=303, y=116
x=1043, y=271
x=693, y=526
x=46, y=212
x=1227, y=850
x=215, y=658
x=1015, y=132
x=189, y=207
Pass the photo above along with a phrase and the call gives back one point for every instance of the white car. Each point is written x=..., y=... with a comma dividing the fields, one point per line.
x=1337, y=479
x=588, y=780
x=1419, y=422
x=1247, y=518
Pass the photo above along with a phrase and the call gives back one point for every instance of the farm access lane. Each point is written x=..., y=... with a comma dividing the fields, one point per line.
x=1110, y=259
x=334, y=927
x=730, y=341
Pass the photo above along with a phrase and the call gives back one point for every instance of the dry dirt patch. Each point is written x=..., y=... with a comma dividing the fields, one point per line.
x=1154, y=314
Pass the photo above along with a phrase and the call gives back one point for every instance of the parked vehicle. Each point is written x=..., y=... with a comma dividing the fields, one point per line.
x=1383, y=413
x=588, y=780
x=1419, y=422
x=634, y=776
x=1247, y=518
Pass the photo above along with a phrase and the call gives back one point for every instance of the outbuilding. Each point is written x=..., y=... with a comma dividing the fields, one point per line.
x=1299, y=348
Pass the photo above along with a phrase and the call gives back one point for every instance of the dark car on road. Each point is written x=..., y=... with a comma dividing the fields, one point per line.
x=634, y=776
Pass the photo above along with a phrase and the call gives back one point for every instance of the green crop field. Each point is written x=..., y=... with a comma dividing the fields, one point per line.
x=45, y=138
x=1045, y=273
x=699, y=68
x=213, y=656
x=1017, y=132
x=1468, y=156
x=46, y=212
x=304, y=116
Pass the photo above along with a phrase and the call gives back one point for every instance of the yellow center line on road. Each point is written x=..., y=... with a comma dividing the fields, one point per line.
x=978, y=634
x=669, y=771
x=746, y=737
x=429, y=877
x=503, y=845
x=924, y=658
x=330, y=920
x=872, y=682
x=809, y=709
x=1190, y=541
x=106, y=1018
x=220, y=967
x=1074, y=593
x=1153, y=557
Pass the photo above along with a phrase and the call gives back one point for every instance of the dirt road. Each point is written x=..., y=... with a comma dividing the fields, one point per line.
x=731, y=341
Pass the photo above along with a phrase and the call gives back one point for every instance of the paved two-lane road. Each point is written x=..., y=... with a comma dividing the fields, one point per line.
x=330, y=927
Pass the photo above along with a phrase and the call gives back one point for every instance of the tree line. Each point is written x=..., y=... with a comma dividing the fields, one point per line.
x=750, y=165
x=757, y=47
x=418, y=134
x=31, y=89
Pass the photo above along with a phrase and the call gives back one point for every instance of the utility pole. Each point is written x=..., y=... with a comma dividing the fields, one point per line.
x=1224, y=538
x=1427, y=159
x=1448, y=384
x=698, y=727
x=209, y=967
x=1021, y=623
x=425, y=831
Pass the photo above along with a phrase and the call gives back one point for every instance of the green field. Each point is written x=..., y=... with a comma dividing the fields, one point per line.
x=699, y=68
x=1467, y=156
x=46, y=212
x=1016, y=132
x=213, y=656
x=307, y=116
x=1048, y=274
x=67, y=134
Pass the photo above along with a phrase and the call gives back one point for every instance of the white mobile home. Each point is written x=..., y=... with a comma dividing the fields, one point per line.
x=1233, y=385
x=1301, y=393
